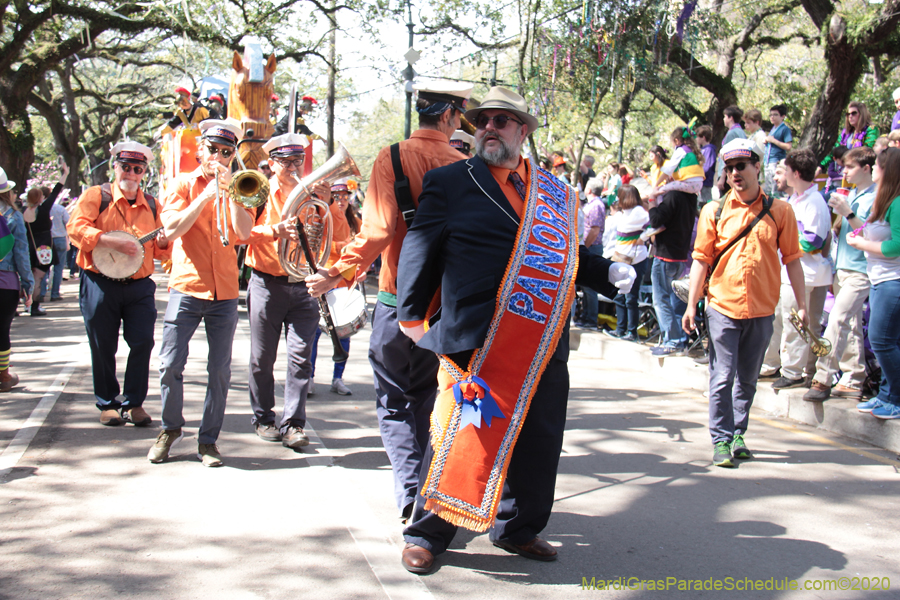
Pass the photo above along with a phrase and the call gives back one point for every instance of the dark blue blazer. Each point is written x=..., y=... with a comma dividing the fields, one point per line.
x=461, y=240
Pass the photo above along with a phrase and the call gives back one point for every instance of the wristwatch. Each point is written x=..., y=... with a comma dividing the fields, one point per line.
x=851, y=215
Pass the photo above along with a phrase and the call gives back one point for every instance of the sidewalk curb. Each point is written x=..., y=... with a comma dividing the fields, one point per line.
x=837, y=415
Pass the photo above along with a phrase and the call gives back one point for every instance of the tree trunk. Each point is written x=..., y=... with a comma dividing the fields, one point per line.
x=16, y=141
x=846, y=63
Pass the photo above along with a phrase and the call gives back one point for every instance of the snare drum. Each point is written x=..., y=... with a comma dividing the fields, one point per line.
x=348, y=311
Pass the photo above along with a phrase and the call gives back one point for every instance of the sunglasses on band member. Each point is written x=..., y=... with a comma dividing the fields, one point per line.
x=138, y=170
x=740, y=166
x=852, y=113
x=223, y=152
x=500, y=121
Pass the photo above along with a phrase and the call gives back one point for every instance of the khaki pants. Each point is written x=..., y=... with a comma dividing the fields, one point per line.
x=851, y=288
x=796, y=358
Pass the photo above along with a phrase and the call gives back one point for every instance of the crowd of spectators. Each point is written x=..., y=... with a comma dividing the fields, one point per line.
x=647, y=216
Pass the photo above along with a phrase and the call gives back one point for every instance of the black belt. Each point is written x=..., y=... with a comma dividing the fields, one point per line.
x=122, y=281
x=278, y=278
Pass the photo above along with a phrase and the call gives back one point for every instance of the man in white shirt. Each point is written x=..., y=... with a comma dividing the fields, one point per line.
x=814, y=223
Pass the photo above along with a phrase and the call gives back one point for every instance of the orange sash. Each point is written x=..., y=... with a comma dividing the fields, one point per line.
x=479, y=412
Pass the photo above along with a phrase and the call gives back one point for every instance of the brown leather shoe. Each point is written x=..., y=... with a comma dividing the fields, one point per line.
x=536, y=549
x=137, y=416
x=417, y=559
x=110, y=418
x=818, y=392
x=845, y=391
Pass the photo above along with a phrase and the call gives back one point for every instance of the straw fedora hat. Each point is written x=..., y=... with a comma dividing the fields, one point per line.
x=504, y=99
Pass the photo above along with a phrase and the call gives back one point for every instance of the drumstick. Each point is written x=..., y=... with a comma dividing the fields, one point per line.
x=340, y=355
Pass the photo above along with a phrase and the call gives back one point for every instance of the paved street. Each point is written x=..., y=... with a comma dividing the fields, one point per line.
x=85, y=515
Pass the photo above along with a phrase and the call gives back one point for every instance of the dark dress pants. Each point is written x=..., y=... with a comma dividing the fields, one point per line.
x=273, y=303
x=105, y=305
x=405, y=386
x=527, y=498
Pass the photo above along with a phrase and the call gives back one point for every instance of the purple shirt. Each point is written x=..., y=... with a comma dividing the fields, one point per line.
x=595, y=216
x=895, y=124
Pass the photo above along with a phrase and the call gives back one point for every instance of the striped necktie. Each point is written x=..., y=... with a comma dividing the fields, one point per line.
x=518, y=184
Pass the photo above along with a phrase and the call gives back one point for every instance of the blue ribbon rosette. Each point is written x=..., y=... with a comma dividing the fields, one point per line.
x=477, y=403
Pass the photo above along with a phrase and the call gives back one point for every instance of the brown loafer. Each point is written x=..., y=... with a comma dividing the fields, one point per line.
x=110, y=418
x=845, y=391
x=136, y=416
x=417, y=559
x=536, y=549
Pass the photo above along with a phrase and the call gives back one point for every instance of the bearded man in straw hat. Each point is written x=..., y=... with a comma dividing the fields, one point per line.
x=495, y=240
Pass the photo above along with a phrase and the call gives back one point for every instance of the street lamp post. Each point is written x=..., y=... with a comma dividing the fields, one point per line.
x=409, y=73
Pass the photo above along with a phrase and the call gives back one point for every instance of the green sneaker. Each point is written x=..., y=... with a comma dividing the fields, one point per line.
x=722, y=455
x=164, y=442
x=739, y=448
x=209, y=455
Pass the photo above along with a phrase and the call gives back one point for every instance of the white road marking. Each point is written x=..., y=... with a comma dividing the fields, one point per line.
x=19, y=445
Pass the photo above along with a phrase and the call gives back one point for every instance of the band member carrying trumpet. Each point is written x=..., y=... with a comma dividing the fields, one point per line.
x=742, y=241
x=203, y=286
x=120, y=297
x=276, y=300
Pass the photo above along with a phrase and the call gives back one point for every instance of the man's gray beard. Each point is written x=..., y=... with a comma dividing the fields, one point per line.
x=126, y=185
x=499, y=156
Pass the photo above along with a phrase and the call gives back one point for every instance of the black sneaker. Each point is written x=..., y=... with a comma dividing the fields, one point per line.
x=740, y=449
x=783, y=383
x=722, y=455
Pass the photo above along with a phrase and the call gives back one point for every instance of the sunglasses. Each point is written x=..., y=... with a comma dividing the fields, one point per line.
x=128, y=168
x=737, y=166
x=500, y=121
x=223, y=152
x=852, y=113
x=297, y=162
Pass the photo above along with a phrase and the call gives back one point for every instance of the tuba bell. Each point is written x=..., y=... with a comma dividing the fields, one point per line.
x=312, y=214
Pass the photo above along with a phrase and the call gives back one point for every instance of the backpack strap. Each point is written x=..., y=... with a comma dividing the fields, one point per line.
x=401, y=187
x=106, y=199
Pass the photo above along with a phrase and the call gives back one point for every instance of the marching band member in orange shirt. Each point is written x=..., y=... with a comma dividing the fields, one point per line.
x=405, y=375
x=203, y=287
x=344, y=232
x=119, y=299
x=276, y=300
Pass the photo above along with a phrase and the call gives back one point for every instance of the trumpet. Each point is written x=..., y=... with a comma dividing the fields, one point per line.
x=248, y=188
x=819, y=345
x=313, y=215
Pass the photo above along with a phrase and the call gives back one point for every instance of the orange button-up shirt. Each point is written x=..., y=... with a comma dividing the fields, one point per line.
x=509, y=190
x=262, y=251
x=87, y=224
x=383, y=227
x=747, y=280
x=201, y=266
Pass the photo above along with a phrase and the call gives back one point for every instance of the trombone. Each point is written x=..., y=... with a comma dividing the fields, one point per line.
x=819, y=345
